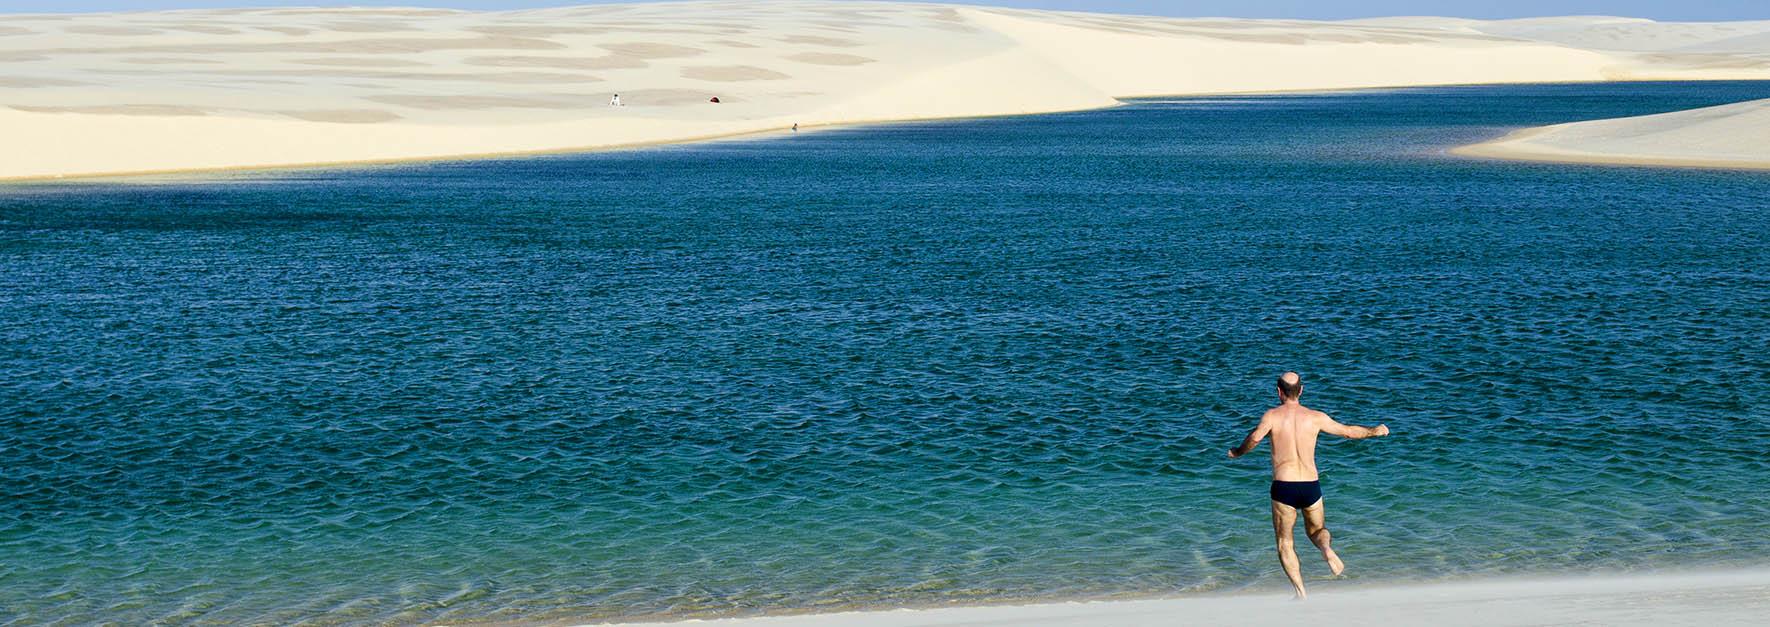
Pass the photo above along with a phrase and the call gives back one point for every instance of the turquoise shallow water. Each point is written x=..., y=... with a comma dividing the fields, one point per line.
x=984, y=360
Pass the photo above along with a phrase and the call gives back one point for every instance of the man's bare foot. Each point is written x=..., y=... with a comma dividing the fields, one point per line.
x=1301, y=596
x=1335, y=563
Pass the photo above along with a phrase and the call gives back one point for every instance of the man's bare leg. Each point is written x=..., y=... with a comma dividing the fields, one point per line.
x=1284, y=526
x=1315, y=524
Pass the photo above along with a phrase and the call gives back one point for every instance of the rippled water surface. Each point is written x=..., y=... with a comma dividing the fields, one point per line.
x=914, y=364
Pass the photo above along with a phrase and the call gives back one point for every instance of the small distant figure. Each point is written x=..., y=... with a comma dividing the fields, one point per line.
x=715, y=100
x=795, y=127
x=1296, y=486
x=615, y=101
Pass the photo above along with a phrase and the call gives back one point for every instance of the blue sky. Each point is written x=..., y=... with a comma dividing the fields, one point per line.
x=1683, y=10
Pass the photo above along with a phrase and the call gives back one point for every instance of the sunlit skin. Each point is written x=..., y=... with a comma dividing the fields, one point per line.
x=1294, y=429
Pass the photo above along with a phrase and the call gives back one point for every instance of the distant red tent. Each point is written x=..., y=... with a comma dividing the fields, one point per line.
x=715, y=99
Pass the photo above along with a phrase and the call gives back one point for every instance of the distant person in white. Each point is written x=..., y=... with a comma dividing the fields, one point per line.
x=615, y=101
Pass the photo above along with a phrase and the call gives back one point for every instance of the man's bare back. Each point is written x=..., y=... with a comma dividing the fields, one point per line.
x=1296, y=485
x=1293, y=429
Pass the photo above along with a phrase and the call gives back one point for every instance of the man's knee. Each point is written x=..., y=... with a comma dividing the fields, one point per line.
x=1320, y=535
x=1286, y=544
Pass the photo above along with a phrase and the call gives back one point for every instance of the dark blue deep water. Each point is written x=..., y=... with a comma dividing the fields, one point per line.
x=983, y=360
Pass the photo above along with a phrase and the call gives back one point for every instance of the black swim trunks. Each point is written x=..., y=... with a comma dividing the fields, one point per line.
x=1298, y=494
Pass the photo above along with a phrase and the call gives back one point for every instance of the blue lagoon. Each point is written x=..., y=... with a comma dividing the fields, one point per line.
x=988, y=360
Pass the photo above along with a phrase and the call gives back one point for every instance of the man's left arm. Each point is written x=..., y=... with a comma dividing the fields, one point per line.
x=1253, y=439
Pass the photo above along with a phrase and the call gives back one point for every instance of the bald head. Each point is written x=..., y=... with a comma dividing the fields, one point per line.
x=1290, y=386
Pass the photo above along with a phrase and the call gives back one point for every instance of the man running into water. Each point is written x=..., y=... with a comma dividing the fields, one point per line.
x=1295, y=484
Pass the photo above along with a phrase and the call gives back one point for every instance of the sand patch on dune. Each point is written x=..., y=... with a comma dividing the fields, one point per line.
x=1707, y=61
x=15, y=57
x=122, y=109
x=693, y=29
x=732, y=43
x=1116, y=29
x=111, y=31
x=549, y=30
x=358, y=62
x=536, y=30
x=507, y=78
x=652, y=50
x=784, y=96
x=634, y=98
x=731, y=73
x=168, y=61
x=816, y=40
x=843, y=13
x=357, y=12
x=594, y=10
x=674, y=97
x=1307, y=38
x=953, y=28
x=202, y=29
x=475, y=102
x=1445, y=36
x=344, y=116
x=237, y=11
x=7, y=31
x=610, y=62
x=1280, y=33
x=829, y=58
x=348, y=46
x=369, y=27
x=292, y=31
x=1204, y=24
x=945, y=15
x=1286, y=39
x=707, y=28
x=32, y=82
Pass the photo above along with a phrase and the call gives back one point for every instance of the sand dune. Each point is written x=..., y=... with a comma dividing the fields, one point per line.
x=1690, y=599
x=134, y=92
x=1601, y=32
x=1728, y=136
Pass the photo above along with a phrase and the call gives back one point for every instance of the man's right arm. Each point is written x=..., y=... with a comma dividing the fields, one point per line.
x=1253, y=439
x=1329, y=425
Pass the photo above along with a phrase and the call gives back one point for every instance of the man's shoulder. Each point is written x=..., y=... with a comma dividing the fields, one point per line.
x=1308, y=413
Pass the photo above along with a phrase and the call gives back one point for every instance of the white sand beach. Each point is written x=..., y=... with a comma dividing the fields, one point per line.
x=1727, y=136
x=94, y=94
x=1734, y=598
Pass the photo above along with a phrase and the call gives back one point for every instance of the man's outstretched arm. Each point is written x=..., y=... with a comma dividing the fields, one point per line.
x=1329, y=425
x=1253, y=439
